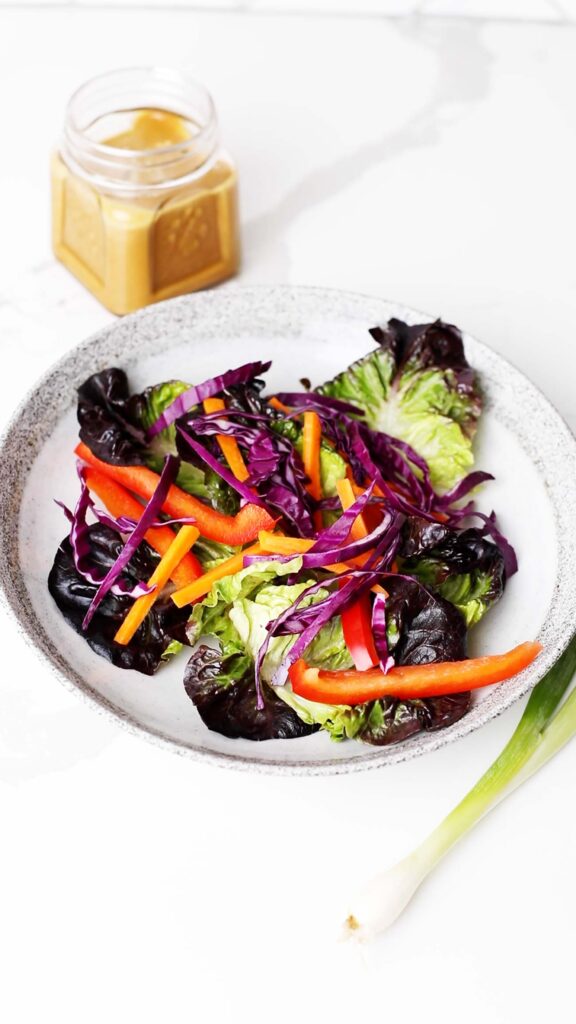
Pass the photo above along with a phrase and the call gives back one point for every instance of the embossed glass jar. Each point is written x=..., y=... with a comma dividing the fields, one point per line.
x=144, y=198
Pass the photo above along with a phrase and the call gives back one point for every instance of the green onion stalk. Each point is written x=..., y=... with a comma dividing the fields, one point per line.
x=542, y=732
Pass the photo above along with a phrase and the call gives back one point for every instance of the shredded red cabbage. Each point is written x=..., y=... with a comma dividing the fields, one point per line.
x=384, y=460
x=306, y=623
x=197, y=394
x=125, y=524
x=168, y=475
x=319, y=559
x=246, y=492
x=390, y=456
x=463, y=488
x=330, y=544
x=338, y=532
x=274, y=466
x=277, y=469
x=379, y=633
x=312, y=400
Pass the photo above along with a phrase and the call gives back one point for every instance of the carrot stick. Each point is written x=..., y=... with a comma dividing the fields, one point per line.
x=278, y=544
x=179, y=547
x=233, y=530
x=228, y=445
x=278, y=405
x=407, y=682
x=199, y=588
x=359, y=530
x=311, y=452
x=120, y=502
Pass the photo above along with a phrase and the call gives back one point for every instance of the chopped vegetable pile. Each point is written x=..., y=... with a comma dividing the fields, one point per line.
x=318, y=552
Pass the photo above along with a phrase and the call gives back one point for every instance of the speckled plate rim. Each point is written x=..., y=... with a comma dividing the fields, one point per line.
x=555, y=456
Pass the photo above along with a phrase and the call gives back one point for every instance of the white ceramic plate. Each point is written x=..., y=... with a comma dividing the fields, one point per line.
x=315, y=333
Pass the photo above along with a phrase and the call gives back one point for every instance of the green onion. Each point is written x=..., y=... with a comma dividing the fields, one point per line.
x=538, y=736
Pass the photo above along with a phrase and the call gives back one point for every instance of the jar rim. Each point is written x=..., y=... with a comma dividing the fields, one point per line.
x=187, y=94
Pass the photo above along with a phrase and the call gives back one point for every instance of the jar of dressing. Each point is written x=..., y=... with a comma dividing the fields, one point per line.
x=144, y=199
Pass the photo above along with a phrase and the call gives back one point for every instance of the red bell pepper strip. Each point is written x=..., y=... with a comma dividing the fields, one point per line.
x=409, y=682
x=357, y=620
x=233, y=530
x=120, y=502
x=357, y=628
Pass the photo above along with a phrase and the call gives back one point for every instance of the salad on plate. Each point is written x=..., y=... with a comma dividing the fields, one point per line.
x=317, y=554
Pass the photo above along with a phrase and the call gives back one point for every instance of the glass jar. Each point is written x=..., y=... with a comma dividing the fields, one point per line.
x=144, y=199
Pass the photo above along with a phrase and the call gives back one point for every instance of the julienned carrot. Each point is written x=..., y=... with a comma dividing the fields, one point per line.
x=278, y=544
x=120, y=502
x=203, y=586
x=359, y=530
x=311, y=452
x=228, y=445
x=311, y=437
x=183, y=541
x=278, y=405
x=407, y=682
x=232, y=530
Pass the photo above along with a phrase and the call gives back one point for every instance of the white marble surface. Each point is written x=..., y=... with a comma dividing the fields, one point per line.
x=431, y=160
x=521, y=10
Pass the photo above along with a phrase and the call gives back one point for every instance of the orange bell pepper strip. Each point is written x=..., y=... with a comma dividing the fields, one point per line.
x=183, y=541
x=228, y=445
x=199, y=588
x=120, y=502
x=233, y=530
x=410, y=682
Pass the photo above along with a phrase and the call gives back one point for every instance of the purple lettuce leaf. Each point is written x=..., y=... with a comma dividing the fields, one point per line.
x=73, y=594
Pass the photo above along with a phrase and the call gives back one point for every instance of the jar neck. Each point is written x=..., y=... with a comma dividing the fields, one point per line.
x=133, y=171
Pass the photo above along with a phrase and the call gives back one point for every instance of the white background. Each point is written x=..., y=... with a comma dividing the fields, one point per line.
x=429, y=159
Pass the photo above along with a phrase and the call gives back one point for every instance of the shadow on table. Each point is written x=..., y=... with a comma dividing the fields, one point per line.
x=464, y=65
